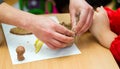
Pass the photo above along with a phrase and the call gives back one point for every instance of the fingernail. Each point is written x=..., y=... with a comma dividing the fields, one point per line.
x=101, y=6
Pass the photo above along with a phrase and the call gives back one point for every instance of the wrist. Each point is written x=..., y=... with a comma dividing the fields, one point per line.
x=23, y=20
x=106, y=38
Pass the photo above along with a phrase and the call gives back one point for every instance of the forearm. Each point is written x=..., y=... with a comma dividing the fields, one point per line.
x=106, y=38
x=12, y=16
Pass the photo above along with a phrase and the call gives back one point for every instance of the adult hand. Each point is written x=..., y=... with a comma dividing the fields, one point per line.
x=44, y=28
x=81, y=15
x=53, y=34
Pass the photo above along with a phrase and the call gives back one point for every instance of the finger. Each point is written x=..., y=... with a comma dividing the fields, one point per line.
x=57, y=43
x=63, y=38
x=61, y=44
x=64, y=31
x=87, y=23
x=95, y=13
x=73, y=19
x=51, y=46
x=82, y=20
x=102, y=9
x=98, y=9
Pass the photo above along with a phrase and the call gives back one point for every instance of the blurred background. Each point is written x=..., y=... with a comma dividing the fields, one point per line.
x=57, y=6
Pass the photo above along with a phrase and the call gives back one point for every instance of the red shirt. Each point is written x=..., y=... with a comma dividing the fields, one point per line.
x=114, y=17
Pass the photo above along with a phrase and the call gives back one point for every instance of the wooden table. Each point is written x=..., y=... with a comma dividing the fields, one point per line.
x=93, y=56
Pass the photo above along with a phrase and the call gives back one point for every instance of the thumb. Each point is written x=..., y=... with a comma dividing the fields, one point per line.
x=101, y=10
x=73, y=20
x=98, y=9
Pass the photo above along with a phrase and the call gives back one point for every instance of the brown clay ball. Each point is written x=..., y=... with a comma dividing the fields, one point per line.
x=20, y=50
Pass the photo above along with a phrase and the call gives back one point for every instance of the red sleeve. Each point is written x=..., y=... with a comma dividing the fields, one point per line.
x=115, y=49
x=114, y=17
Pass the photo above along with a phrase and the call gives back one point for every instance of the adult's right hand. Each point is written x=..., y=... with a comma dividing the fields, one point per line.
x=53, y=34
x=45, y=29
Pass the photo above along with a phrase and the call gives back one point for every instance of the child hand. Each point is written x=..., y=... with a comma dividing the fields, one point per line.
x=101, y=29
x=100, y=22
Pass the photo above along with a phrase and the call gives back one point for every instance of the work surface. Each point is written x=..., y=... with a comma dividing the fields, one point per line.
x=93, y=56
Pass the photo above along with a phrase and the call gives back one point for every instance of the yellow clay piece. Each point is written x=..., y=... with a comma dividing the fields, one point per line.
x=38, y=45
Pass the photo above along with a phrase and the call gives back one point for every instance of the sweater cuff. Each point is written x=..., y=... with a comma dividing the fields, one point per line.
x=115, y=48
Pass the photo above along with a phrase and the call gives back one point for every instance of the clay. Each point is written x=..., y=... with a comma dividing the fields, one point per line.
x=68, y=26
x=20, y=50
x=19, y=31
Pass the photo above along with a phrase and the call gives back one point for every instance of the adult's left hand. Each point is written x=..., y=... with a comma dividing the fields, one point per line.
x=81, y=16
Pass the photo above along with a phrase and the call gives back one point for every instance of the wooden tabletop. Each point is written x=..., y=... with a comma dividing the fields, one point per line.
x=94, y=56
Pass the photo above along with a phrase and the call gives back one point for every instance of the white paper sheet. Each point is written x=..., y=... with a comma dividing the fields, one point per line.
x=28, y=42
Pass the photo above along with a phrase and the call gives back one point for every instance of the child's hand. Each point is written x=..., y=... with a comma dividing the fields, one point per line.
x=101, y=29
x=100, y=22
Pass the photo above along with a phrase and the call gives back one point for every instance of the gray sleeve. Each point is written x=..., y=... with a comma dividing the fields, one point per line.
x=1, y=1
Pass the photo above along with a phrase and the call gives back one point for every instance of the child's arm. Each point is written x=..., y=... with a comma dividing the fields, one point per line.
x=101, y=30
x=115, y=27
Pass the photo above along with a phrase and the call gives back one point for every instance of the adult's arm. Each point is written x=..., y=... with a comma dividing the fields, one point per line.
x=53, y=34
